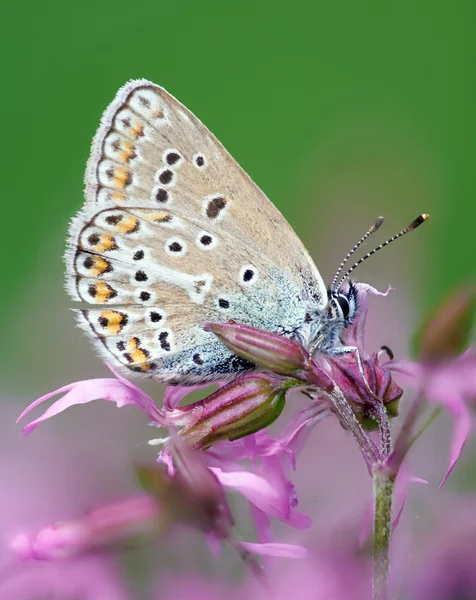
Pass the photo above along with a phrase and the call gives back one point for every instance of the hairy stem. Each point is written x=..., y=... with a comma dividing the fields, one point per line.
x=383, y=491
x=348, y=418
x=380, y=415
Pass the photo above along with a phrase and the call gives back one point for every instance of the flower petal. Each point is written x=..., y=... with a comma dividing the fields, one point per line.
x=292, y=440
x=256, y=489
x=120, y=391
x=354, y=335
x=461, y=429
x=175, y=393
x=275, y=549
x=401, y=490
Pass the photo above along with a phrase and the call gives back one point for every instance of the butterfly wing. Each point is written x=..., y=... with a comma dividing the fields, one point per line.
x=173, y=233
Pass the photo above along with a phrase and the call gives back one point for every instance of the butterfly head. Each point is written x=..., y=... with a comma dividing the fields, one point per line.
x=325, y=329
x=343, y=305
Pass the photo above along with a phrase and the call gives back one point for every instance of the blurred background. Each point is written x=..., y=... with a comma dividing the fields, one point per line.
x=340, y=112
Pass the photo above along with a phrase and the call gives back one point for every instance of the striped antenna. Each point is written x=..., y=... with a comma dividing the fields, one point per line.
x=374, y=228
x=413, y=225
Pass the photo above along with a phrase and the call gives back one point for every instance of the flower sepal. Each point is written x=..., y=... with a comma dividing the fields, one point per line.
x=349, y=379
x=271, y=351
x=240, y=408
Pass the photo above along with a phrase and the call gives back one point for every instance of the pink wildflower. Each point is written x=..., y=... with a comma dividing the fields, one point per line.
x=446, y=375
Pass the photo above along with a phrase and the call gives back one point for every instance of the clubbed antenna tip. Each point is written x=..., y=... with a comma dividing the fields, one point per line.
x=376, y=225
x=417, y=222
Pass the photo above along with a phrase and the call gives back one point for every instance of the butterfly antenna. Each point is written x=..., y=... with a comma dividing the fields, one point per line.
x=413, y=225
x=373, y=229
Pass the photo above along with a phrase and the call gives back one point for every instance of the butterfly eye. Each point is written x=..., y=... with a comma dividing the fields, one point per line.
x=344, y=305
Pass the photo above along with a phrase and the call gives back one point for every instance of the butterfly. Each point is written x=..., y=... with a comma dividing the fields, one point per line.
x=173, y=234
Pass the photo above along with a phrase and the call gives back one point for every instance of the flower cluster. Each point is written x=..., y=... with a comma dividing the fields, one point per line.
x=222, y=442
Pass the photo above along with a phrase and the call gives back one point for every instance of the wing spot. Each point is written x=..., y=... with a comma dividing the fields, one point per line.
x=161, y=217
x=121, y=346
x=175, y=247
x=135, y=354
x=114, y=219
x=97, y=265
x=137, y=130
x=101, y=292
x=130, y=224
x=144, y=101
x=199, y=285
x=155, y=316
x=199, y=161
x=93, y=239
x=222, y=303
x=163, y=341
x=206, y=241
x=172, y=158
x=112, y=320
x=139, y=255
x=121, y=176
x=103, y=242
x=248, y=275
x=214, y=206
x=144, y=296
x=197, y=359
x=141, y=276
x=166, y=177
x=162, y=195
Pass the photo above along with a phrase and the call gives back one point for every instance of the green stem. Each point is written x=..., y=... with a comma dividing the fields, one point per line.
x=383, y=490
x=436, y=412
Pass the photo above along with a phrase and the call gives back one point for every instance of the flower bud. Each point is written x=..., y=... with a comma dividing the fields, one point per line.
x=271, y=351
x=107, y=526
x=349, y=379
x=446, y=333
x=239, y=408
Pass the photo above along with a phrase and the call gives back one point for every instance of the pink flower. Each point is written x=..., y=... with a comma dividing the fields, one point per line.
x=446, y=375
x=267, y=493
x=99, y=529
x=47, y=480
x=346, y=373
x=227, y=427
x=451, y=385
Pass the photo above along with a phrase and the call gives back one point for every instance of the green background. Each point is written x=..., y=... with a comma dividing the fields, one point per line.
x=340, y=111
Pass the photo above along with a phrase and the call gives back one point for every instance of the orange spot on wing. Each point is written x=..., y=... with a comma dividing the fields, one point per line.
x=103, y=292
x=128, y=225
x=122, y=177
x=128, y=151
x=107, y=242
x=160, y=217
x=137, y=130
x=100, y=266
x=137, y=354
x=118, y=196
x=115, y=321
